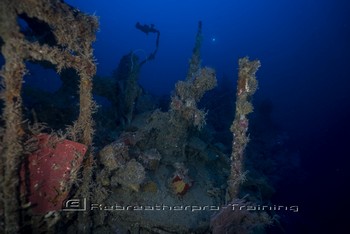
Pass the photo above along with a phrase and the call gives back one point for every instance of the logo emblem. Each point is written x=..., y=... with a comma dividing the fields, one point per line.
x=74, y=205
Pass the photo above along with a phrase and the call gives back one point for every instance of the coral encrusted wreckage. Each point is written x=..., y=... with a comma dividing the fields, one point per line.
x=72, y=33
x=148, y=170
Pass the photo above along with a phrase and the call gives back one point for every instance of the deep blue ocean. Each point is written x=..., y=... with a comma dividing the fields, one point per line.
x=304, y=49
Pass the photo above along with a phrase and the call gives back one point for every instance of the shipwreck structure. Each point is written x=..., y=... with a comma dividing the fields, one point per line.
x=157, y=156
x=71, y=34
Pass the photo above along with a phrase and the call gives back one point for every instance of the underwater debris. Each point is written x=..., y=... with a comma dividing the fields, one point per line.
x=168, y=131
x=162, y=163
x=51, y=171
x=247, y=85
x=188, y=93
x=180, y=186
x=195, y=60
x=181, y=182
x=150, y=187
x=235, y=217
x=145, y=153
x=130, y=138
x=74, y=33
x=131, y=176
x=128, y=89
x=150, y=159
x=114, y=156
x=122, y=89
